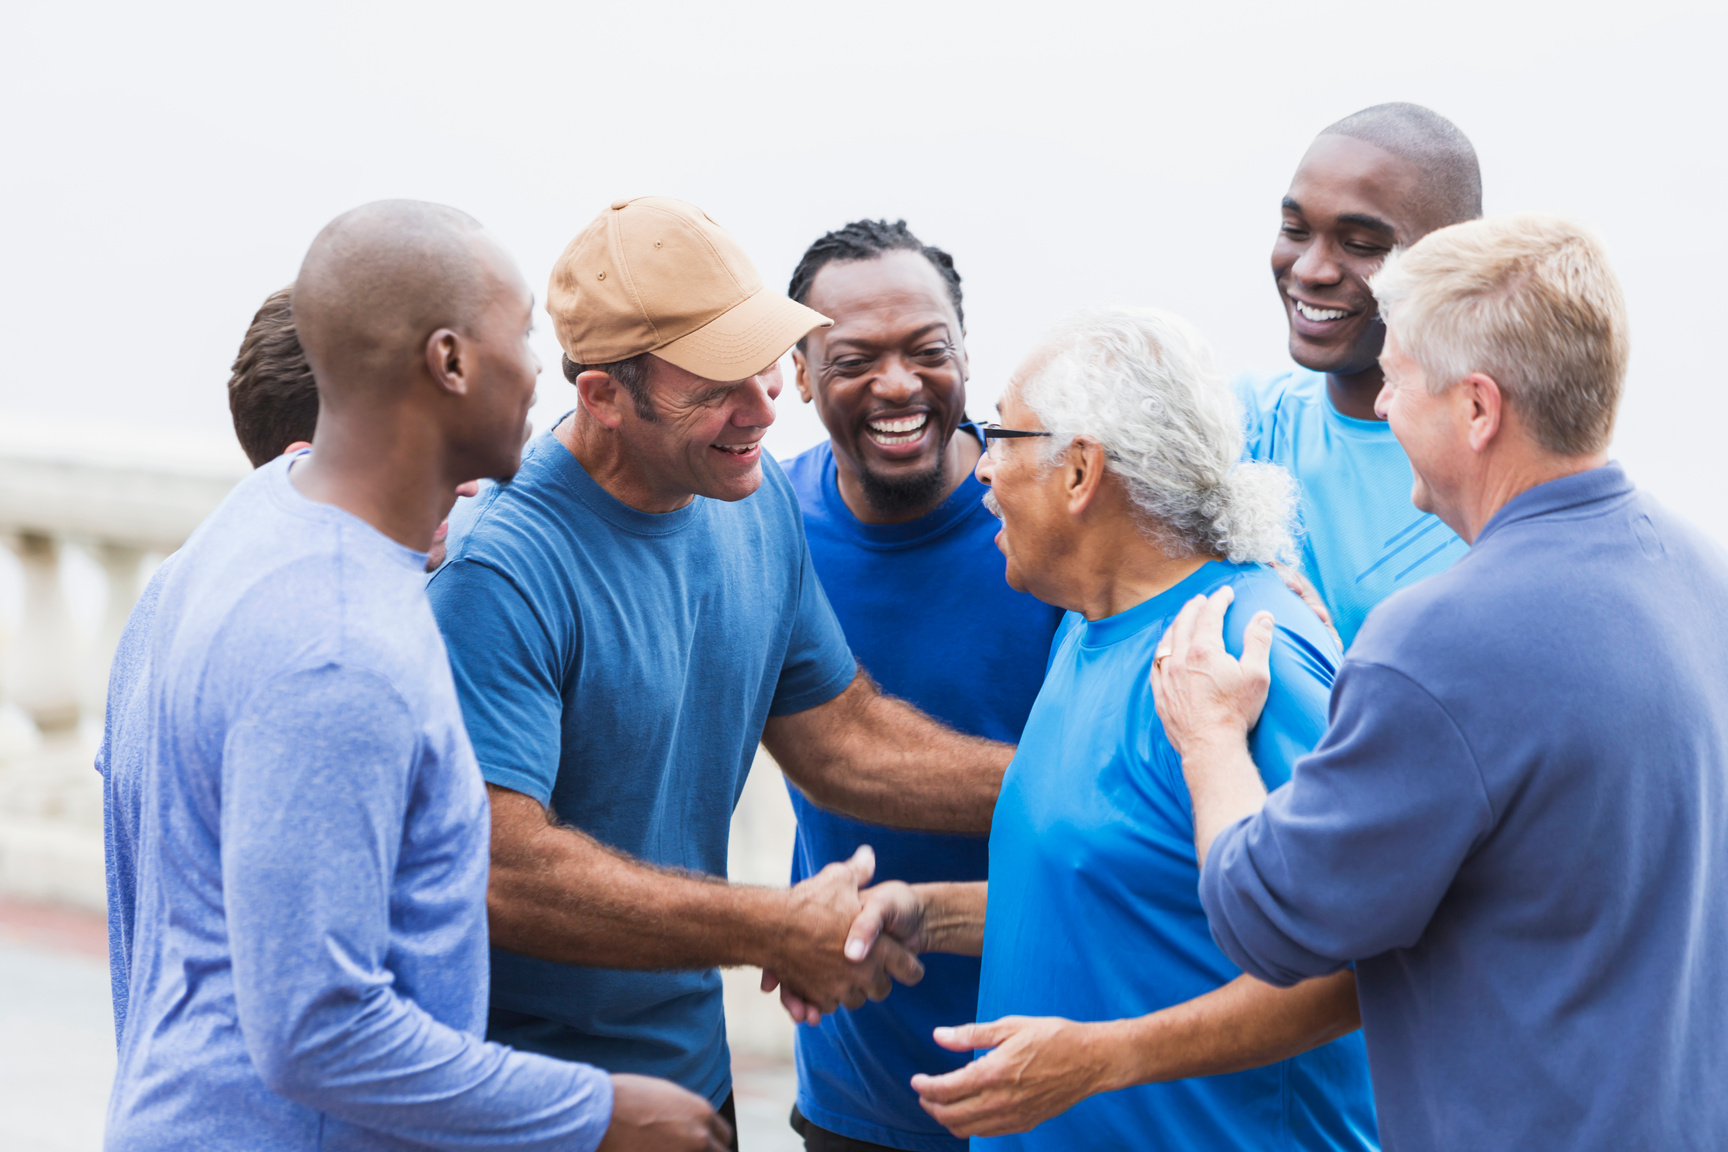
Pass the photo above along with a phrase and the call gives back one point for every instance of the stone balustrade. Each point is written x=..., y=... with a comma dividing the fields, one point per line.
x=113, y=503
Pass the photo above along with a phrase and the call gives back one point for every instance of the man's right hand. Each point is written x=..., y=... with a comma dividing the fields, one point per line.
x=814, y=968
x=654, y=1115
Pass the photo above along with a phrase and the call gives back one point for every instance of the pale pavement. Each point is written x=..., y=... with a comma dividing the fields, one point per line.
x=57, y=1042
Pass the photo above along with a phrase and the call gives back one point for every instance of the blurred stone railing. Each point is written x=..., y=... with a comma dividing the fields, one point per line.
x=93, y=502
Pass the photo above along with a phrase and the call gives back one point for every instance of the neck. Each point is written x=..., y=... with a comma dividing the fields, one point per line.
x=387, y=467
x=1506, y=479
x=601, y=452
x=1353, y=394
x=1116, y=568
x=959, y=458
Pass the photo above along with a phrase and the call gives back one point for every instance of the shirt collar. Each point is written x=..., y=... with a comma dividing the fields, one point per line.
x=1587, y=487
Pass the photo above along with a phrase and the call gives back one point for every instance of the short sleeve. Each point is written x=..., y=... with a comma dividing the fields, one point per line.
x=819, y=663
x=1352, y=857
x=1294, y=718
x=508, y=673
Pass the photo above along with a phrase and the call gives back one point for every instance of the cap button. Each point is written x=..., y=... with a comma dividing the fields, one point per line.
x=619, y=203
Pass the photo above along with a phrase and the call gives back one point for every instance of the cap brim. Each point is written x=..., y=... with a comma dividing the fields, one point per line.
x=745, y=339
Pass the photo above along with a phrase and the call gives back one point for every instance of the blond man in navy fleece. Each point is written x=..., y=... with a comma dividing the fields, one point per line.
x=1514, y=823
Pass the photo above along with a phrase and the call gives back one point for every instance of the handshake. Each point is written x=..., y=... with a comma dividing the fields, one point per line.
x=844, y=943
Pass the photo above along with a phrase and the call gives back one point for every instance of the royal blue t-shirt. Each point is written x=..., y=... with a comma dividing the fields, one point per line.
x=1094, y=910
x=1362, y=539
x=619, y=666
x=928, y=613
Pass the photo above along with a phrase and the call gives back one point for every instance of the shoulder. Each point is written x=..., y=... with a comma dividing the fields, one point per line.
x=805, y=472
x=1302, y=648
x=1264, y=392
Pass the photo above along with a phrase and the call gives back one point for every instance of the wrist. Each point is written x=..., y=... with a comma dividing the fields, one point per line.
x=952, y=915
x=1126, y=1053
x=770, y=924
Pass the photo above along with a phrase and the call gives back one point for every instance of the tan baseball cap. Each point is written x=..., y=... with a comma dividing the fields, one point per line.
x=657, y=275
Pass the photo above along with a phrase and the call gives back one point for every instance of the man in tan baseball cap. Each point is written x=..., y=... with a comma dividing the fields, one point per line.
x=627, y=619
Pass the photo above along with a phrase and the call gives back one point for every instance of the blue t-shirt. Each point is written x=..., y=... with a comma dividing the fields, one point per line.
x=929, y=615
x=308, y=834
x=1094, y=912
x=1362, y=539
x=1517, y=827
x=618, y=666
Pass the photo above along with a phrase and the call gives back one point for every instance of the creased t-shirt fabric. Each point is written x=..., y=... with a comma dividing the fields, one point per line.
x=1517, y=827
x=1361, y=539
x=308, y=958
x=931, y=617
x=1093, y=911
x=619, y=666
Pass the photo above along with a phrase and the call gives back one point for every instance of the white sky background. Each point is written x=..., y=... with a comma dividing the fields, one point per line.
x=166, y=165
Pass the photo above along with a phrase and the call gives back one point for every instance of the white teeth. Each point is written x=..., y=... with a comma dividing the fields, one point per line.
x=737, y=449
x=899, y=430
x=1320, y=313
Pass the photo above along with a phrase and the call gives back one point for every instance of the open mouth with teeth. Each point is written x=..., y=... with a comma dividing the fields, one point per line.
x=895, y=430
x=1319, y=315
x=737, y=449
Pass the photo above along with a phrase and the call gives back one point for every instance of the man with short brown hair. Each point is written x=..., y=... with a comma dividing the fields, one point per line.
x=626, y=620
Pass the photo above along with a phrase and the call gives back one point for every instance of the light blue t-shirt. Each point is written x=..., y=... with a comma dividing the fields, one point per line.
x=1094, y=911
x=930, y=615
x=308, y=831
x=1362, y=539
x=619, y=666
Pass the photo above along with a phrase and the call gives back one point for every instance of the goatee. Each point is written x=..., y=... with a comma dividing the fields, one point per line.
x=898, y=495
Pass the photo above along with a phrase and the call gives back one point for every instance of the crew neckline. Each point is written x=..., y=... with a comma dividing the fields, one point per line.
x=1132, y=621
x=966, y=500
x=290, y=499
x=565, y=469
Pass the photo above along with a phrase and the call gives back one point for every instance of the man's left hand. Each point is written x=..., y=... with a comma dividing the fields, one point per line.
x=1038, y=1067
x=1201, y=692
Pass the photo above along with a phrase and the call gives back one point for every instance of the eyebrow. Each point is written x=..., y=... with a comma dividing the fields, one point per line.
x=860, y=342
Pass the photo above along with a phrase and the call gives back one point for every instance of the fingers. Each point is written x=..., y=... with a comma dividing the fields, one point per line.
x=1182, y=628
x=863, y=864
x=1257, y=647
x=1209, y=622
x=970, y=1037
x=719, y=1134
x=769, y=981
x=861, y=937
x=951, y=1087
x=901, y=964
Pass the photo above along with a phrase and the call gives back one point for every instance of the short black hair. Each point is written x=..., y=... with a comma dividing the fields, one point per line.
x=1453, y=184
x=866, y=240
x=272, y=395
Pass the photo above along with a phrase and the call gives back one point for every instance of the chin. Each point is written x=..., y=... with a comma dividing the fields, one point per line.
x=735, y=487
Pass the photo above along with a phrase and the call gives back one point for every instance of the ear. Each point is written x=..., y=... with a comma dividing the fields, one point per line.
x=603, y=397
x=801, y=374
x=450, y=361
x=1082, y=471
x=1484, y=407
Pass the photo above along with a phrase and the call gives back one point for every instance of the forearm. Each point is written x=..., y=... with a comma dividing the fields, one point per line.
x=953, y=916
x=557, y=894
x=1223, y=786
x=1245, y=1024
x=877, y=758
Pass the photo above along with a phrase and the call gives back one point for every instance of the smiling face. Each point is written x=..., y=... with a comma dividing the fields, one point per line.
x=1349, y=204
x=706, y=439
x=1432, y=429
x=1028, y=497
x=889, y=378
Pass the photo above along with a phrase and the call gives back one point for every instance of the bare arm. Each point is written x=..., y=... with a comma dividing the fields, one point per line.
x=877, y=758
x=559, y=894
x=1039, y=1067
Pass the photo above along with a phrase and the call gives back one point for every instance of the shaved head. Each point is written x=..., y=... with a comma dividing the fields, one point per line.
x=1451, y=188
x=379, y=280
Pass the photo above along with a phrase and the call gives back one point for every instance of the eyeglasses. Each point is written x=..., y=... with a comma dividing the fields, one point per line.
x=993, y=432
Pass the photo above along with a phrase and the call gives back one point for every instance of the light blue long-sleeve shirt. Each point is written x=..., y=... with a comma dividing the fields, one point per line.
x=1517, y=826
x=307, y=960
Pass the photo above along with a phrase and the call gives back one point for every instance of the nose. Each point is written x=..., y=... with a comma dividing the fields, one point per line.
x=756, y=401
x=896, y=383
x=1383, y=400
x=1317, y=264
x=986, y=467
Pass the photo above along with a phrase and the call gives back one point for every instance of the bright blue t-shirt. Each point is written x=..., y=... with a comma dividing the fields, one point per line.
x=930, y=616
x=299, y=831
x=619, y=666
x=1094, y=911
x=1362, y=539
